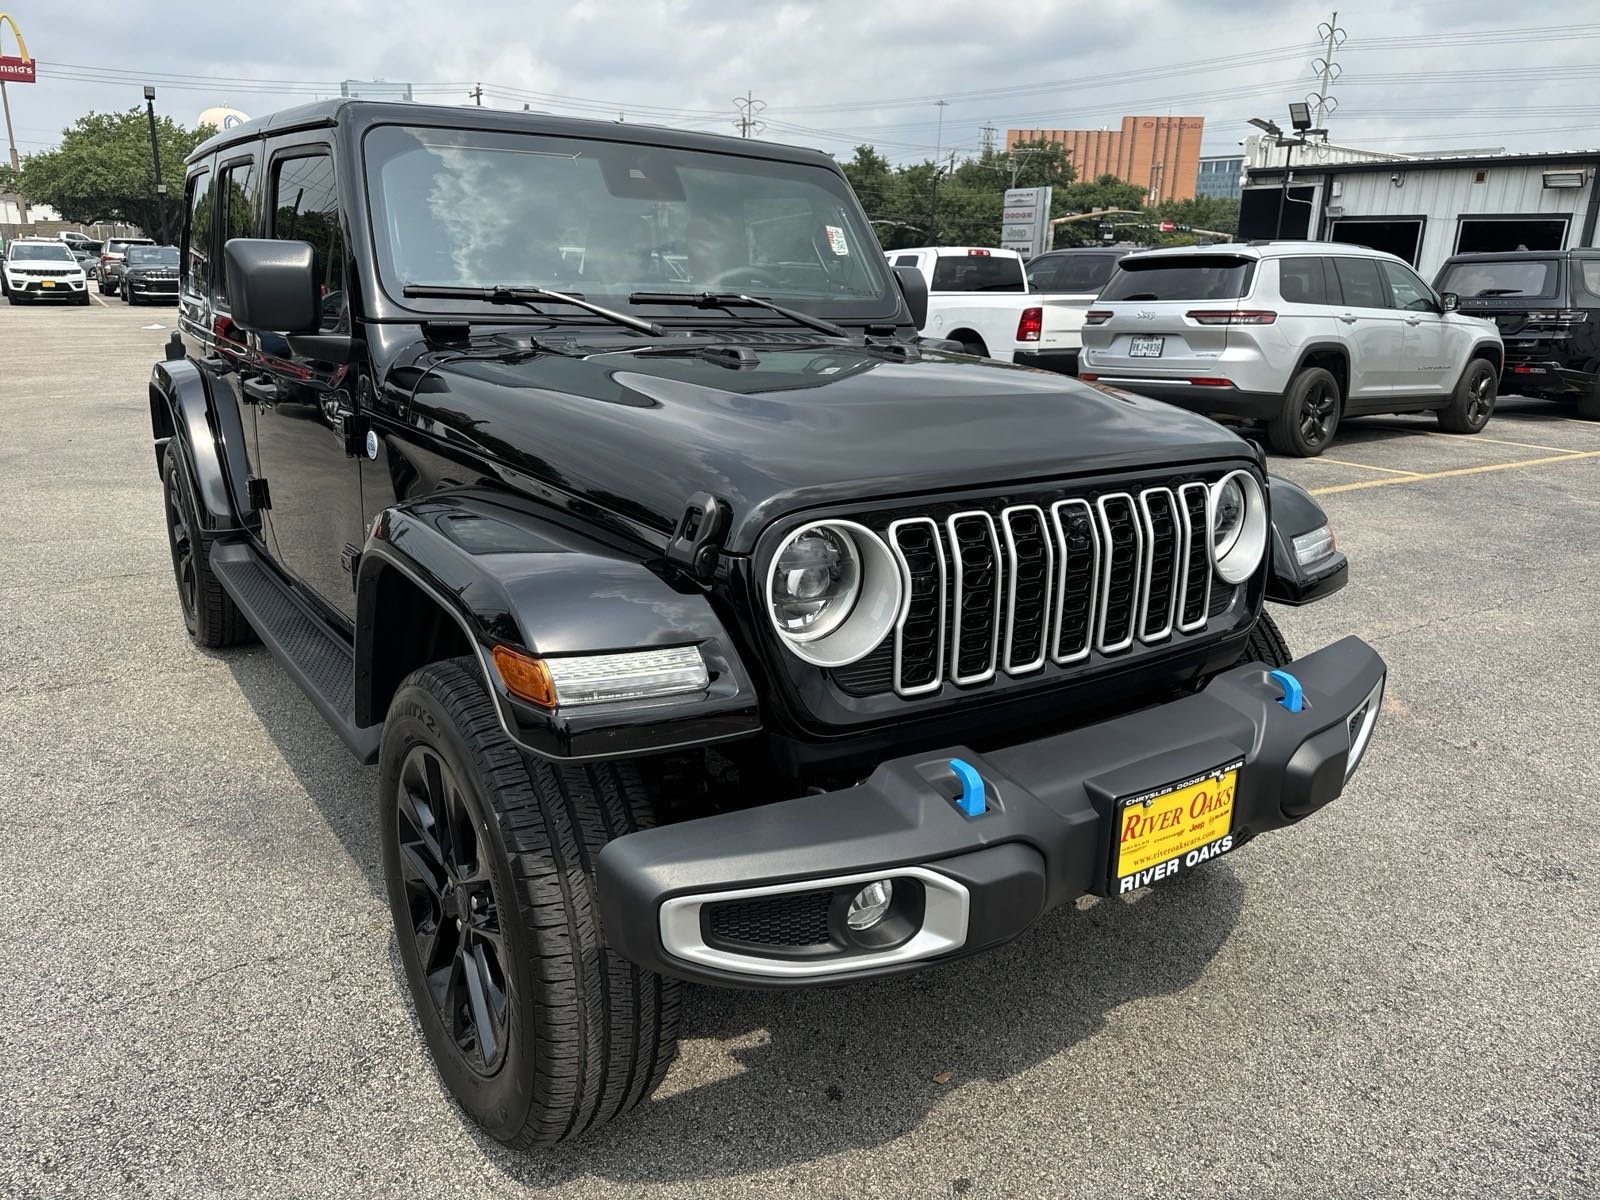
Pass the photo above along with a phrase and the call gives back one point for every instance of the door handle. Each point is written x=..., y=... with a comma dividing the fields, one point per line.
x=1413, y=320
x=260, y=391
x=1348, y=318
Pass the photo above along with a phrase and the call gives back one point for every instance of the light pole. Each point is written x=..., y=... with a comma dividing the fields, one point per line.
x=155, y=163
x=1300, y=118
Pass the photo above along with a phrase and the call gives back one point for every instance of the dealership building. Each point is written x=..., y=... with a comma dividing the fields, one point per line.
x=1422, y=208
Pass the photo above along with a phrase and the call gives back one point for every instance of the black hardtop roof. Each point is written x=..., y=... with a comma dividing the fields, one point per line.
x=357, y=116
x=1524, y=255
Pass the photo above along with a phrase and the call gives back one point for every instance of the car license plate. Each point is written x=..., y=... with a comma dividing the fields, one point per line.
x=1173, y=828
x=44, y=283
x=1146, y=347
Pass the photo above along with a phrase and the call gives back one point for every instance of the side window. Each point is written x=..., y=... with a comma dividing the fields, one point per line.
x=1409, y=291
x=906, y=260
x=195, y=253
x=1589, y=273
x=235, y=202
x=305, y=208
x=1300, y=281
x=1360, y=283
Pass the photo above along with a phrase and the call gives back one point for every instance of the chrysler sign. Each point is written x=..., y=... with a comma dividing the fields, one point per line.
x=19, y=69
x=1025, y=220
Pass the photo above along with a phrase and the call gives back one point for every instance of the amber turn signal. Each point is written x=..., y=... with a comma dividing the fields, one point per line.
x=525, y=677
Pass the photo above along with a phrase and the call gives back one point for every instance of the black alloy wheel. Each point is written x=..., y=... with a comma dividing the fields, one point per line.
x=454, y=912
x=1306, y=424
x=209, y=613
x=1472, y=403
x=1319, y=413
x=180, y=538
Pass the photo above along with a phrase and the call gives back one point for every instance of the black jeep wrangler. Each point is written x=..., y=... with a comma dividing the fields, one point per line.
x=1547, y=305
x=704, y=625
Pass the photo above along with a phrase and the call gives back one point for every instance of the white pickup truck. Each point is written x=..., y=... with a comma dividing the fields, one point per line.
x=981, y=298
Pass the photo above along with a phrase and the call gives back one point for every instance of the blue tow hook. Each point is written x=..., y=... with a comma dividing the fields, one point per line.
x=1294, y=696
x=970, y=802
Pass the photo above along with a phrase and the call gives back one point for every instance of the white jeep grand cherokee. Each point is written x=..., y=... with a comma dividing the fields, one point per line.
x=42, y=268
x=1296, y=334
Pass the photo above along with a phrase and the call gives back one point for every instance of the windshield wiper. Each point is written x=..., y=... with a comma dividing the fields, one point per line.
x=734, y=300
x=1500, y=292
x=504, y=294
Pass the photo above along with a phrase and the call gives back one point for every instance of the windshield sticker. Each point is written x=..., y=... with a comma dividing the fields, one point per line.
x=836, y=240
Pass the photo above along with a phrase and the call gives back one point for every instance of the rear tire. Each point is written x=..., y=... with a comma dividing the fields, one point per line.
x=538, y=1029
x=209, y=613
x=973, y=344
x=1589, y=403
x=1305, y=426
x=1267, y=644
x=1472, y=403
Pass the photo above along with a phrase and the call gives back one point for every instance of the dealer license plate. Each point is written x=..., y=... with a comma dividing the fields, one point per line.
x=1174, y=828
x=1146, y=347
x=44, y=283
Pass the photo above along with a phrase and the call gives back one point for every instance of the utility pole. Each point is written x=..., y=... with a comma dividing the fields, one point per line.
x=938, y=152
x=477, y=94
x=988, y=140
x=749, y=110
x=1332, y=37
x=155, y=163
x=5, y=101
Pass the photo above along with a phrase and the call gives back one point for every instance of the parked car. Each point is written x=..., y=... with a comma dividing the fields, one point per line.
x=1546, y=304
x=150, y=273
x=42, y=269
x=111, y=256
x=729, y=636
x=74, y=238
x=979, y=298
x=1072, y=277
x=1296, y=334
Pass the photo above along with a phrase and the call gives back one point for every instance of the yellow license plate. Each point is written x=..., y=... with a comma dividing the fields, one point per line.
x=47, y=283
x=1173, y=828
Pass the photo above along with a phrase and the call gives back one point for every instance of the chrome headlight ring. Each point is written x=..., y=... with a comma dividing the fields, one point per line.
x=1239, y=547
x=869, y=600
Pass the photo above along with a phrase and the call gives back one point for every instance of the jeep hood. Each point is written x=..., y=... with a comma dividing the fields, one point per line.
x=640, y=433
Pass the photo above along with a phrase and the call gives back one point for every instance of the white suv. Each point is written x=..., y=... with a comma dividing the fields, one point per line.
x=1296, y=334
x=42, y=268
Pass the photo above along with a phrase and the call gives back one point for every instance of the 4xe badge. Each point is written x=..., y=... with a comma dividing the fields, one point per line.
x=372, y=444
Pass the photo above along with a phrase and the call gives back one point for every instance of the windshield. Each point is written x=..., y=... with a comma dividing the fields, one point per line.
x=1181, y=277
x=152, y=256
x=1535, y=278
x=1083, y=273
x=977, y=273
x=472, y=208
x=40, y=252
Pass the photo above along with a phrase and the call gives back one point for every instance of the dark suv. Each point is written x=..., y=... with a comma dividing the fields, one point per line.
x=592, y=482
x=1547, y=305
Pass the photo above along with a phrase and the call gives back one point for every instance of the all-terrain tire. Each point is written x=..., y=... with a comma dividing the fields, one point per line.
x=209, y=613
x=1472, y=403
x=587, y=1035
x=1305, y=425
x=1267, y=644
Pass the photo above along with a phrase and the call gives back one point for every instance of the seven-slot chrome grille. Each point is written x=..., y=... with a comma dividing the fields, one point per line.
x=993, y=589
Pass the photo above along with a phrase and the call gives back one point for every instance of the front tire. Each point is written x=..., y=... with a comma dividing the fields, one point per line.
x=1305, y=425
x=1267, y=644
x=1472, y=403
x=538, y=1029
x=209, y=613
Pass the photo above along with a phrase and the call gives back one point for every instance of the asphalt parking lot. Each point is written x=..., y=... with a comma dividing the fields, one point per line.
x=1398, y=998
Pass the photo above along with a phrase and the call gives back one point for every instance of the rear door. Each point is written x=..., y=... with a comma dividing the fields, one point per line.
x=1374, y=332
x=1149, y=332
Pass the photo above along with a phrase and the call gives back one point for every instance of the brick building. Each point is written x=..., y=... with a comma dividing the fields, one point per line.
x=1160, y=154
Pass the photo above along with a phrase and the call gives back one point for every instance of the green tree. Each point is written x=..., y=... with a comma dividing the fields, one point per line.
x=101, y=171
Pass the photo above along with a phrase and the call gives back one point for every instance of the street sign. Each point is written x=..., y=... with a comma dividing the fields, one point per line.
x=20, y=67
x=1025, y=220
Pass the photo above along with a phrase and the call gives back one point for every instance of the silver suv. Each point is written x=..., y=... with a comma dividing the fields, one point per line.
x=1296, y=334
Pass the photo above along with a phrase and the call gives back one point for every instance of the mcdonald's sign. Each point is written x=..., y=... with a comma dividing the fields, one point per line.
x=21, y=68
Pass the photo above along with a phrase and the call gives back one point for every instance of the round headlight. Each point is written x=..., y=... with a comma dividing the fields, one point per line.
x=833, y=592
x=1238, y=526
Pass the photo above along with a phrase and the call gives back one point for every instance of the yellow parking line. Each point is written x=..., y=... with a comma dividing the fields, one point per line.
x=1506, y=466
x=1364, y=466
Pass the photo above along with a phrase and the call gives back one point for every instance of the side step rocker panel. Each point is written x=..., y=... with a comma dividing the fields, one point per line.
x=316, y=657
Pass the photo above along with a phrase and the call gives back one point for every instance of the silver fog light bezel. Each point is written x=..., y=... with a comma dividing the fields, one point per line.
x=1249, y=548
x=880, y=592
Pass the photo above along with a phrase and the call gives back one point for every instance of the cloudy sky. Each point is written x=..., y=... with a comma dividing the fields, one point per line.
x=1424, y=76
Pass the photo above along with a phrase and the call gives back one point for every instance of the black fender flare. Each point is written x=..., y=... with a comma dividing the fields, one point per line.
x=1295, y=512
x=1493, y=352
x=1335, y=348
x=210, y=439
x=504, y=573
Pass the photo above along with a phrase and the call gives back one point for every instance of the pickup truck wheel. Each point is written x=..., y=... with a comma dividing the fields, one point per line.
x=1310, y=415
x=537, y=1028
x=1267, y=644
x=1472, y=403
x=209, y=613
x=973, y=345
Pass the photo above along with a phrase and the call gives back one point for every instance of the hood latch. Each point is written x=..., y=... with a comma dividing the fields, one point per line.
x=697, y=540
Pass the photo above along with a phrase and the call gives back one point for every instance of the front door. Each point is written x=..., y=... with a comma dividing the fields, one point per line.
x=302, y=405
x=1428, y=344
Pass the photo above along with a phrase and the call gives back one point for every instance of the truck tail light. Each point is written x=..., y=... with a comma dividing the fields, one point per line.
x=1030, y=325
x=977, y=254
x=1233, y=316
x=1097, y=316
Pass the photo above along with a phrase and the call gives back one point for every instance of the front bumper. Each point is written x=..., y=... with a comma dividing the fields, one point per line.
x=1044, y=840
x=35, y=287
x=153, y=287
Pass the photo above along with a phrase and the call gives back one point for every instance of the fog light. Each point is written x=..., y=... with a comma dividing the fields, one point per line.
x=871, y=905
x=1360, y=725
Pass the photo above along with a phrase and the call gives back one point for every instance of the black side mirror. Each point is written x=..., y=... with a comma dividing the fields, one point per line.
x=272, y=285
x=1449, y=301
x=915, y=290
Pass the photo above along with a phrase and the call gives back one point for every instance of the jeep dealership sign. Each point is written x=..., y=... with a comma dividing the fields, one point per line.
x=1025, y=220
x=18, y=69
